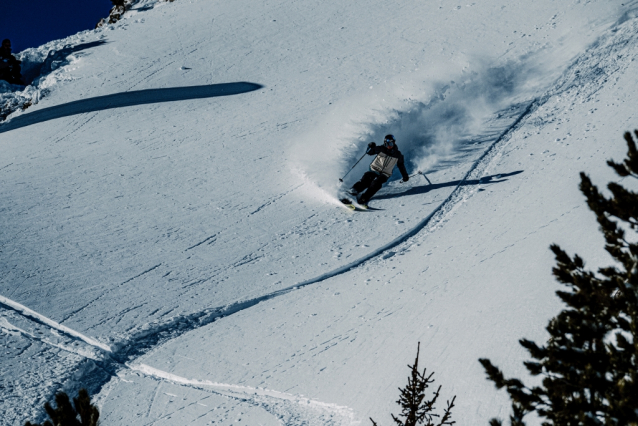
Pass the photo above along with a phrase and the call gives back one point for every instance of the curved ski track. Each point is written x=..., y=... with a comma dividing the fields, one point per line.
x=581, y=80
x=110, y=361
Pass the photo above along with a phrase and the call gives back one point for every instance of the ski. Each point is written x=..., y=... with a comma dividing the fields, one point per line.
x=352, y=206
x=348, y=204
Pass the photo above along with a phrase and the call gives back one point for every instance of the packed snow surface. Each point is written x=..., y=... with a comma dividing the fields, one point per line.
x=171, y=234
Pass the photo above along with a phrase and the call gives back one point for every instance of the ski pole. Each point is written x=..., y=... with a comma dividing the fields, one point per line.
x=419, y=172
x=355, y=165
x=426, y=178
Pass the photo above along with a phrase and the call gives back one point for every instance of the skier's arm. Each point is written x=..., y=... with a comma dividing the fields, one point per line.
x=371, y=148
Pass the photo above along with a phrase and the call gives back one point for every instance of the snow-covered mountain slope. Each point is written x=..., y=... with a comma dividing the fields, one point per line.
x=186, y=257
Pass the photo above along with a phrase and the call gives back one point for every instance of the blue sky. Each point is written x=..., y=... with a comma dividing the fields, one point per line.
x=31, y=23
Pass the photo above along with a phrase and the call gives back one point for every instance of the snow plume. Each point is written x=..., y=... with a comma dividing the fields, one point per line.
x=435, y=119
x=313, y=189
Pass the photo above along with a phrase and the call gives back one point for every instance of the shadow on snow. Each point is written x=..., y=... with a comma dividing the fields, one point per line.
x=124, y=99
x=416, y=190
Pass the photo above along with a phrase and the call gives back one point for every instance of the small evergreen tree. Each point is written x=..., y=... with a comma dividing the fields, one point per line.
x=417, y=410
x=66, y=415
x=590, y=363
x=118, y=3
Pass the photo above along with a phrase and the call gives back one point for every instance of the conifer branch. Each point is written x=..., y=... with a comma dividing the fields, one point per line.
x=590, y=362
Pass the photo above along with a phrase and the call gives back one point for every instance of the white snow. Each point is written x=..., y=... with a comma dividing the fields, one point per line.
x=188, y=261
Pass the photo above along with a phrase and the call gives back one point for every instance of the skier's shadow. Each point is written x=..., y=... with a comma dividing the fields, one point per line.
x=124, y=99
x=416, y=190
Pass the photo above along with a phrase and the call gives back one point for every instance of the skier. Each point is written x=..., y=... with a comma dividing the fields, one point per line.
x=9, y=65
x=381, y=168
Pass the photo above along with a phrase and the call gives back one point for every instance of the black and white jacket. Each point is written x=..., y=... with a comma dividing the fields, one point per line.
x=386, y=159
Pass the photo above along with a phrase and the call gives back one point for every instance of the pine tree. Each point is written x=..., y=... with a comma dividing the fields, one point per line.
x=66, y=415
x=590, y=363
x=417, y=410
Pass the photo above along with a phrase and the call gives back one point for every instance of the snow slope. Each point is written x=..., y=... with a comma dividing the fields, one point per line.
x=188, y=261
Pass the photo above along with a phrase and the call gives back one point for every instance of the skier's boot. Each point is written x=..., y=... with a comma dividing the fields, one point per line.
x=363, y=203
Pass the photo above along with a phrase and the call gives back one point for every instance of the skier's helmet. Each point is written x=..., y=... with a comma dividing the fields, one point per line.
x=388, y=141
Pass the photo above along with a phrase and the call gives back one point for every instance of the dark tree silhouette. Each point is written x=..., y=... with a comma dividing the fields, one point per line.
x=416, y=409
x=589, y=364
x=66, y=415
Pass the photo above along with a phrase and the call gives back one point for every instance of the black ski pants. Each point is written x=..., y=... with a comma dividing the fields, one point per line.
x=371, y=182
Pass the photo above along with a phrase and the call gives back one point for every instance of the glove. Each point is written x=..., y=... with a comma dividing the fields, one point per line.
x=372, y=145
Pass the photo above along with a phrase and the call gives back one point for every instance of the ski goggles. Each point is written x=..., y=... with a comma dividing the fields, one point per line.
x=389, y=143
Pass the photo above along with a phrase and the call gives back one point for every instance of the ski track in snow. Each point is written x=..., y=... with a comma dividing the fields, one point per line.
x=581, y=80
x=41, y=319
x=291, y=409
x=288, y=408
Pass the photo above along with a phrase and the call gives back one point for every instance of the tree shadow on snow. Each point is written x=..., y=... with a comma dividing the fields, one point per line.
x=137, y=97
x=416, y=190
